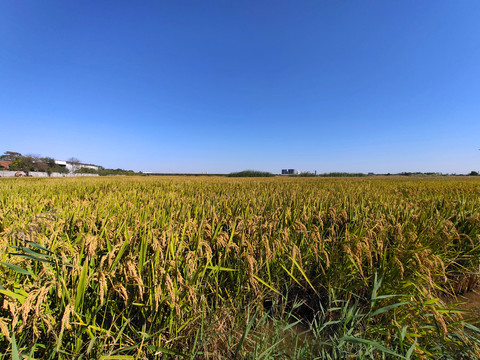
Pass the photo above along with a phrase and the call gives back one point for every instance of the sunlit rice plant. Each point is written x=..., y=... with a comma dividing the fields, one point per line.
x=175, y=267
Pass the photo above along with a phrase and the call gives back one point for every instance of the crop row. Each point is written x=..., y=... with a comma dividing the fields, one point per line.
x=201, y=267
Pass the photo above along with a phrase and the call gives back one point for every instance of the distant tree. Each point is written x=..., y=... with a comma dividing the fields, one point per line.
x=37, y=163
x=307, y=174
x=473, y=173
x=250, y=173
x=49, y=161
x=49, y=164
x=86, y=170
x=342, y=174
x=22, y=163
x=10, y=156
x=75, y=163
x=107, y=172
x=61, y=169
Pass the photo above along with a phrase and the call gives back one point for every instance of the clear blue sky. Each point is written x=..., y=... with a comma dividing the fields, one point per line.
x=220, y=86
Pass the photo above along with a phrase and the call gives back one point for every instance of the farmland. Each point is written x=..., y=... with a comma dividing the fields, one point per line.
x=222, y=268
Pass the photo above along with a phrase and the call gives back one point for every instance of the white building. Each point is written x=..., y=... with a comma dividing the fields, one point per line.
x=72, y=167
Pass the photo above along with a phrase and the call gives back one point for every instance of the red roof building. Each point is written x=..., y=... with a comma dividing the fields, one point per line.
x=5, y=164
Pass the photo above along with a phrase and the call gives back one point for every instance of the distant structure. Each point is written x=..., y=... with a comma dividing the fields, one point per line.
x=289, y=172
x=7, y=158
x=72, y=167
x=5, y=164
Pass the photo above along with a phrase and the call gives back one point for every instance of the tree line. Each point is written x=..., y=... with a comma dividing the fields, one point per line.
x=28, y=163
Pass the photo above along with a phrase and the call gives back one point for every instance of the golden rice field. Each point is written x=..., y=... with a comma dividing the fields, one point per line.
x=230, y=268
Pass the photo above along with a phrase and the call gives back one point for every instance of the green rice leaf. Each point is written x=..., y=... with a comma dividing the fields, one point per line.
x=17, y=268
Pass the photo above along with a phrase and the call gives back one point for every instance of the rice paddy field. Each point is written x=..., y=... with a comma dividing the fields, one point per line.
x=230, y=268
